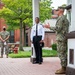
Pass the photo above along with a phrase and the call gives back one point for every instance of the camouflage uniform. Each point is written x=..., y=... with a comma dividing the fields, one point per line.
x=61, y=29
x=4, y=35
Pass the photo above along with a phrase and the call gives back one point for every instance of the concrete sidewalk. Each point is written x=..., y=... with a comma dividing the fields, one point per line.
x=23, y=66
x=29, y=48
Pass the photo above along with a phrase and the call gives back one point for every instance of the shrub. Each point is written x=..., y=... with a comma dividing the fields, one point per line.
x=54, y=46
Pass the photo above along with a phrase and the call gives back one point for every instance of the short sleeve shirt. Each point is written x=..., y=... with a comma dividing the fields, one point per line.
x=4, y=35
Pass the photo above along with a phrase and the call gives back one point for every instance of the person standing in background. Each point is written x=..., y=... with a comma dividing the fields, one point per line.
x=37, y=37
x=4, y=36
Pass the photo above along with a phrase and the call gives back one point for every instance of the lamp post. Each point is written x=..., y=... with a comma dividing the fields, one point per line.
x=35, y=5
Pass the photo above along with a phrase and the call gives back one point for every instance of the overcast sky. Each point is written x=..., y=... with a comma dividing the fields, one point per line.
x=57, y=3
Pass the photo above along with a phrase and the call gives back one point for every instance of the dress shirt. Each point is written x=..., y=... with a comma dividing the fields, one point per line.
x=40, y=31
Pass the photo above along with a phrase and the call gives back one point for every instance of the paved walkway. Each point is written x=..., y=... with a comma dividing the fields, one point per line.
x=29, y=48
x=23, y=66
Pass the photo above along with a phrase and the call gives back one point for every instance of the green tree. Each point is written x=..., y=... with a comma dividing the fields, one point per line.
x=45, y=9
x=17, y=12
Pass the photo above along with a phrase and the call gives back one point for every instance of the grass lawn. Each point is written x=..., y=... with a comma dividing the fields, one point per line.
x=24, y=54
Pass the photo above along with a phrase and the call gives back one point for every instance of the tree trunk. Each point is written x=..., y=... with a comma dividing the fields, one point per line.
x=24, y=35
x=21, y=45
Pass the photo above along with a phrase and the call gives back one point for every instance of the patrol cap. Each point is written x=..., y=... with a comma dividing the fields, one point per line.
x=60, y=7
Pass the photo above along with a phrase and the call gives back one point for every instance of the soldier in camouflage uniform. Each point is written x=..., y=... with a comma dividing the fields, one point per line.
x=4, y=36
x=61, y=30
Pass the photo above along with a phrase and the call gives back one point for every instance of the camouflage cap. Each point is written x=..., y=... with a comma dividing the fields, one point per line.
x=60, y=7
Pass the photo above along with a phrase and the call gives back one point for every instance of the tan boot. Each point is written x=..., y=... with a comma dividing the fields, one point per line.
x=61, y=71
x=1, y=56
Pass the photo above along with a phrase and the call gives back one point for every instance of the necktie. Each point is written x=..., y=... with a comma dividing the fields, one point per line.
x=36, y=30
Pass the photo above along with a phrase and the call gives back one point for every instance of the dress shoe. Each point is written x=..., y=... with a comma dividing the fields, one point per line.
x=35, y=62
x=40, y=63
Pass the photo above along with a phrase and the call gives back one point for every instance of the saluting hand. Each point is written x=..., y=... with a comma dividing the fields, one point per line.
x=47, y=25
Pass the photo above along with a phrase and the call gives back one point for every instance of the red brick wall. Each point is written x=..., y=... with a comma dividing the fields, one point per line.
x=1, y=5
x=2, y=22
x=50, y=38
x=28, y=32
x=17, y=35
x=29, y=42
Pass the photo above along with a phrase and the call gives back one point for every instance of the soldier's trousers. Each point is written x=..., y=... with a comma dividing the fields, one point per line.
x=62, y=52
x=2, y=49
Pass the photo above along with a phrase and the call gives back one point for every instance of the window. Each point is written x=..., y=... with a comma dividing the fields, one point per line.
x=11, y=39
x=71, y=57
